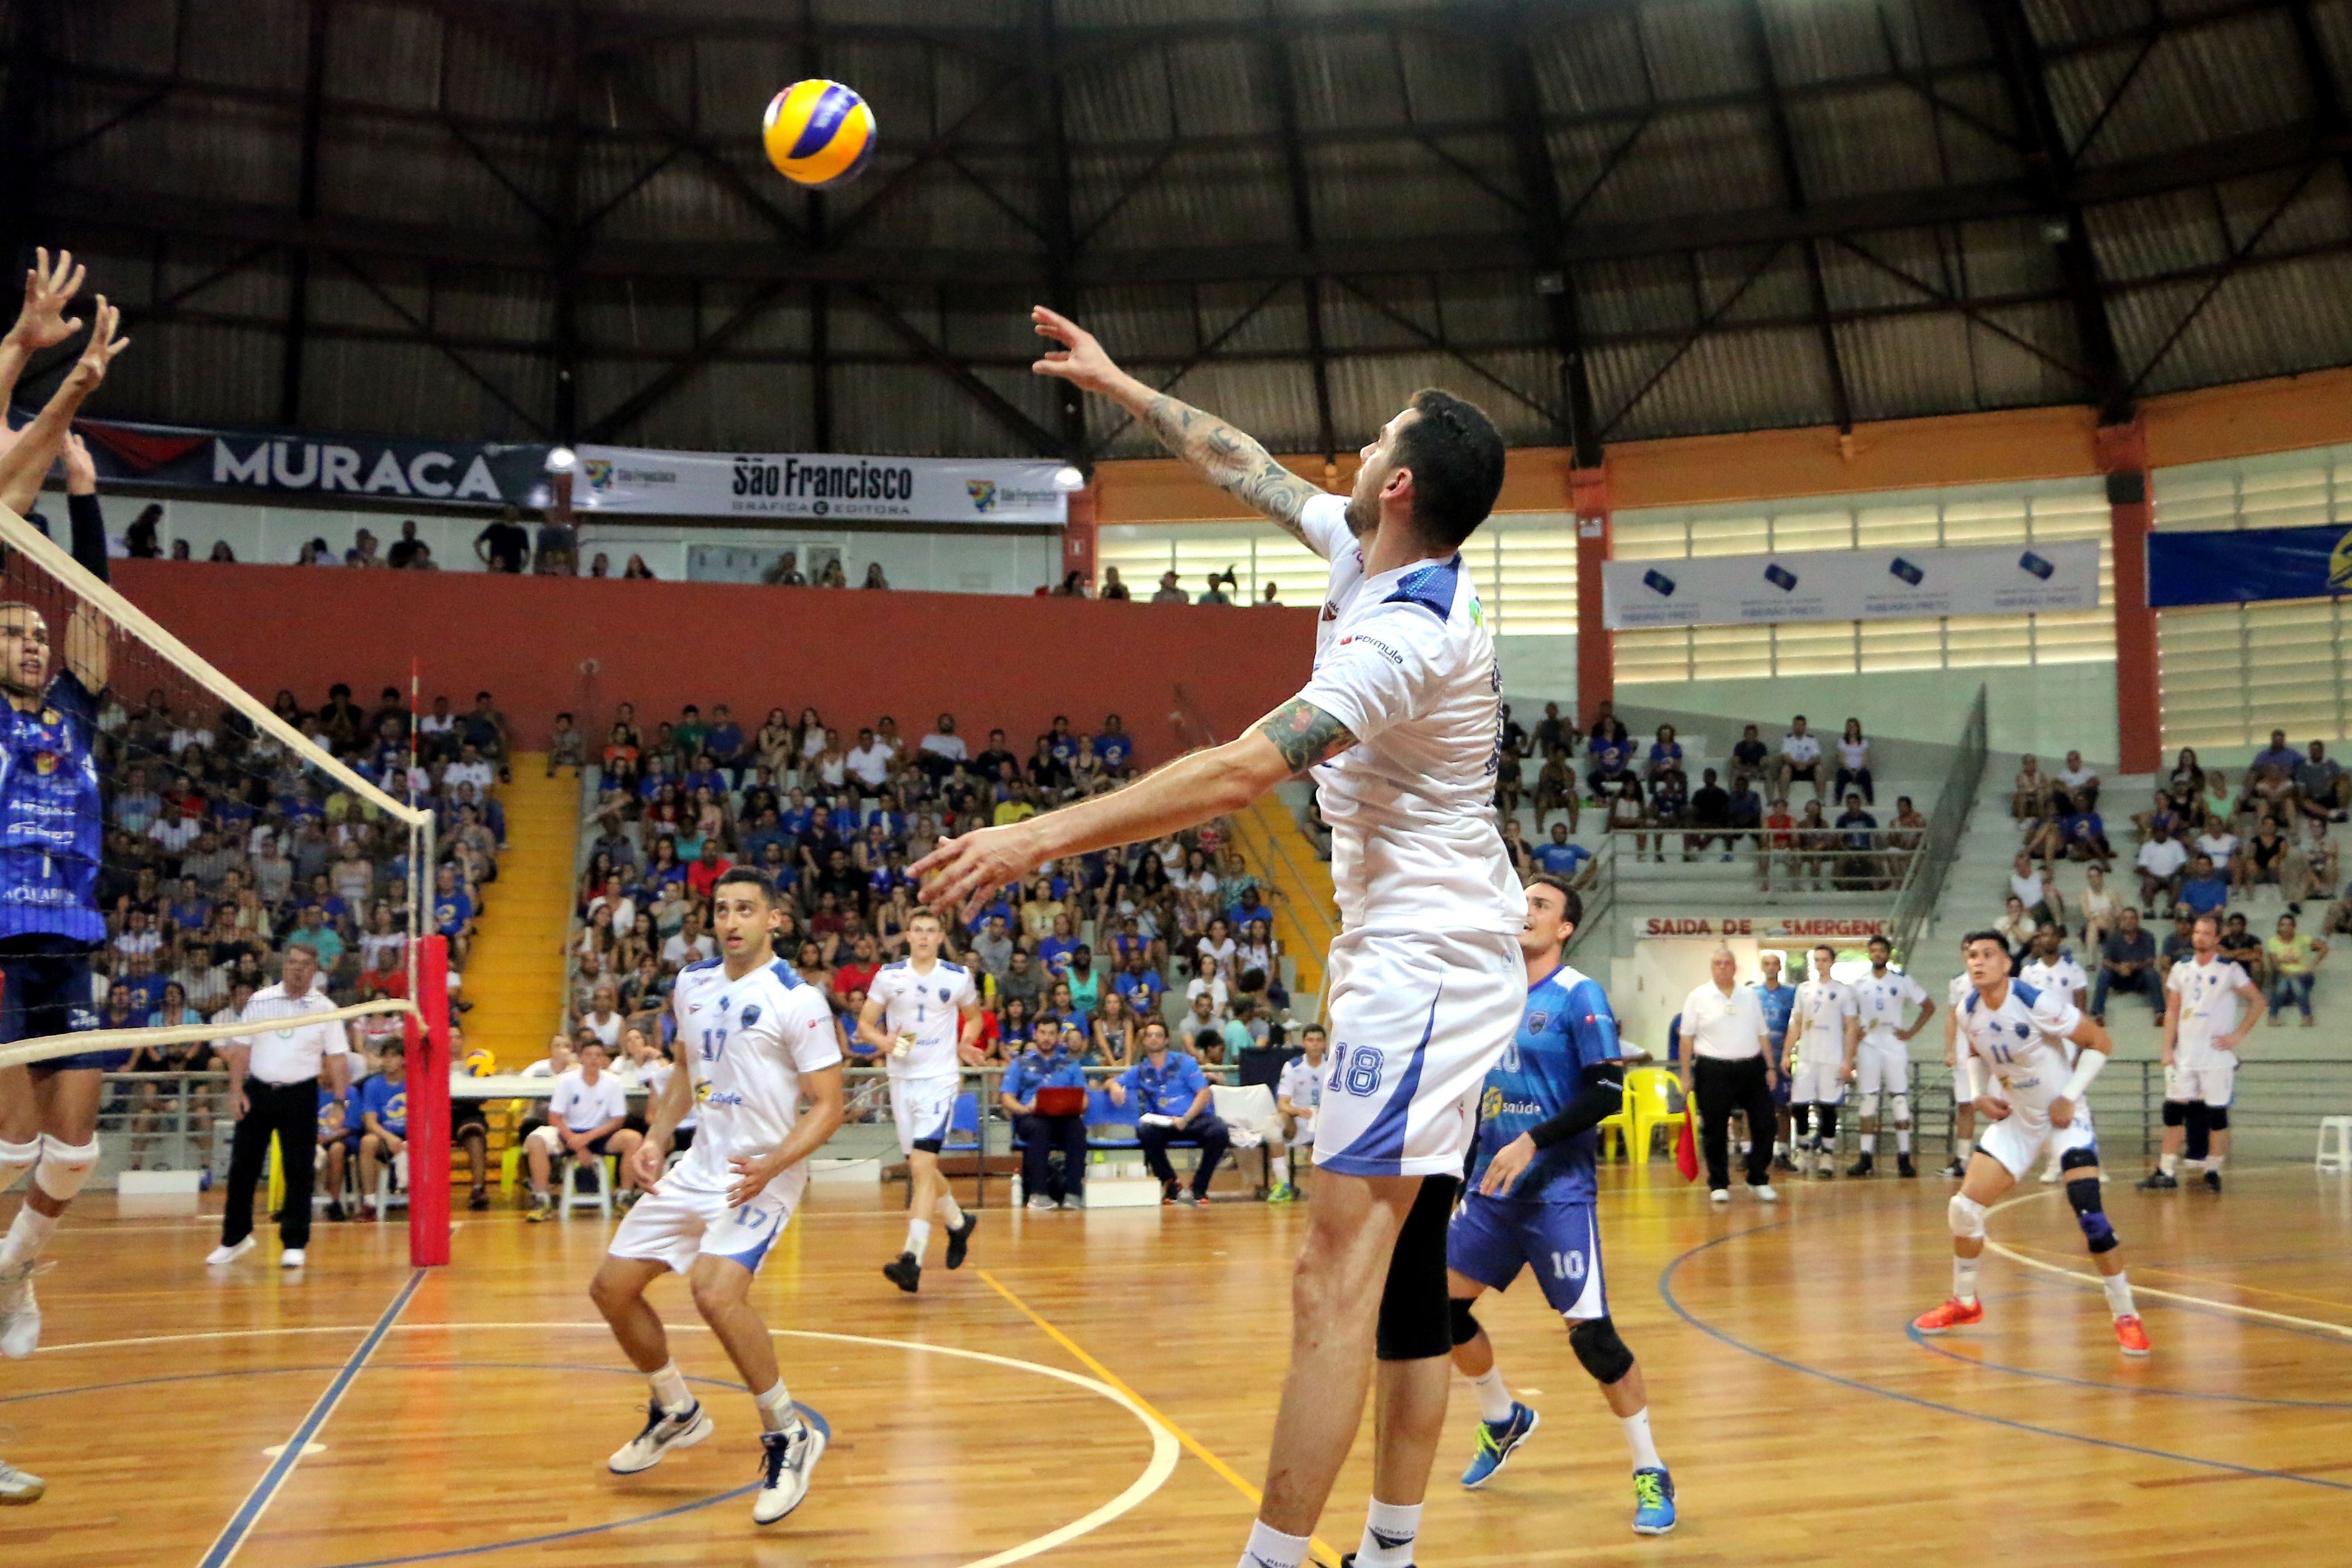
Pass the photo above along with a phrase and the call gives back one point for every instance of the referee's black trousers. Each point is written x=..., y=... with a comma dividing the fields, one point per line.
x=1723, y=1087
x=291, y=1111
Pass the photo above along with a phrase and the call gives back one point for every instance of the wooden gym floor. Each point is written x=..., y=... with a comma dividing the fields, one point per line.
x=1100, y=1389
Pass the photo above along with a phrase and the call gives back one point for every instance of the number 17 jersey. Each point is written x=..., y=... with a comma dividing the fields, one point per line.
x=746, y=1042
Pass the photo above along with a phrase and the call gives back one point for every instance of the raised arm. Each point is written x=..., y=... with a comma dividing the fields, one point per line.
x=24, y=464
x=1234, y=462
x=42, y=323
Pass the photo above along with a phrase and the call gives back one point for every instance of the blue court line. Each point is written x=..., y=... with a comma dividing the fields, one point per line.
x=232, y=1534
x=1925, y=1343
x=1666, y=1291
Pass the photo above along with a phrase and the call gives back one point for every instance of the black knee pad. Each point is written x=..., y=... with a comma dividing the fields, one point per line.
x=2199, y=1139
x=2176, y=1113
x=2075, y=1159
x=1466, y=1323
x=1604, y=1355
x=1416, y=1320
x=2217, y=1117
x=2083, y=1192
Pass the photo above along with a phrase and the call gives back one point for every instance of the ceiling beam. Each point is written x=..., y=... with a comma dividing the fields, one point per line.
x=1793, y=182
x=1274, y=49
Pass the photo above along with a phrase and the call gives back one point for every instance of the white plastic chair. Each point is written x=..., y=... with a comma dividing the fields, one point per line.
x=599, y=1197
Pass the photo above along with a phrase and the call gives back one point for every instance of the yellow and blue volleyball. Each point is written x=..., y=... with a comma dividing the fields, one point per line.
x=480, y=1063
x=818, y=133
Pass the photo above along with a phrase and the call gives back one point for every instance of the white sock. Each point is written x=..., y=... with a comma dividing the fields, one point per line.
x=919, y=1236
x=1964, y=1281
x=2169, y=1164
x=669, y=1389
x=1269, y=1548
x=1390, y=1529
x=1493, y=1395
x=1903, y=1139
x=26, y=1237
x=950, y=1215
x=2213, y=1162
x=1960, y=1147
x=1638, y=1440
x=776, y=1412
x=2119, y=1296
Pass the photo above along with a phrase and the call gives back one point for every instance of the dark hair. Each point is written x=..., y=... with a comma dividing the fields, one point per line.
x=1208, y=1039
x=1571, y=900
x=1881, y=939
x=2209, y=919
x=745, y=874
x=1456, y=459
x=1992, y=936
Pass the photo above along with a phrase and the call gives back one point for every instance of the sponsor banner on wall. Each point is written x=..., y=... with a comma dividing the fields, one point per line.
x=449, y=473
x=1763, y=927
x=818, y=485
x=1851, y=585
x=2244, y=565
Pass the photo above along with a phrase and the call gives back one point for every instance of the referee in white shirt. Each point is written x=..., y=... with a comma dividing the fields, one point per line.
x=1727, y=1066
x=278, y=1071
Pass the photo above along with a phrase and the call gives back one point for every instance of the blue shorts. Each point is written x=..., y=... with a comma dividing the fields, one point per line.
x=1490, y=1238
x=47, y=993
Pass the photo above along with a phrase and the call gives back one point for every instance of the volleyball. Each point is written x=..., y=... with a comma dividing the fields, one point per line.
x=480, y=1063
x=818, y=133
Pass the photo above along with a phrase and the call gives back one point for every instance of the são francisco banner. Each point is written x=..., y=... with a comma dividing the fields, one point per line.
x=816, y=485
x=450, y=473
x=1850, y=584
x=2242, y=565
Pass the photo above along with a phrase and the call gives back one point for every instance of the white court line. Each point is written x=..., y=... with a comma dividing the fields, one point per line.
x=2339, y=1329
x=1164, y=1448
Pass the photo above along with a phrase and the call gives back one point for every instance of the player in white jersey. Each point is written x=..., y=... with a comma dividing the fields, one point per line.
x=1401, y=726
x=1822, y=1030
x=1964, y=1111
x=2049, y=967
x=923, y=1014
x=1882, y=1062
x=2019, y=1036
x=2210, y=1008
x=753, y=1038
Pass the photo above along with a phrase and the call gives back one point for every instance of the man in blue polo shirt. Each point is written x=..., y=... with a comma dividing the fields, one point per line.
x=1562, y=859
x=1047, y=1064
x=1114, y=748
x=2204, y=891
x=1173, y=1095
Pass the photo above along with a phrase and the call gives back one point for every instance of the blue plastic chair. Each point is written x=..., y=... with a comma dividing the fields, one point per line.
x=963, y=1119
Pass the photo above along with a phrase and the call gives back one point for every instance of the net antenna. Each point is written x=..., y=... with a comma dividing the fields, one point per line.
x=69, y=587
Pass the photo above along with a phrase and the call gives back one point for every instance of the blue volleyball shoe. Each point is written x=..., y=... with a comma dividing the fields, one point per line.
x=1496, y=1439
x=1654, y=1502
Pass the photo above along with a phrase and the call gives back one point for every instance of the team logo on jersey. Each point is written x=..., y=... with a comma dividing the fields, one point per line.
x=750, y=1016
x=943, y=993
x=1536, y=1022
x=1490, y=1104
x=2023, y=1031
x=45, y=763
x=702, y=1092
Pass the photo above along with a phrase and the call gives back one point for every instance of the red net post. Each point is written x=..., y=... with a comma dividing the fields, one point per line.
x=428, y=1109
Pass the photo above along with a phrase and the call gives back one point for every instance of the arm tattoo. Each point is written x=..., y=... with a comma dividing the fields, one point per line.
x=1305, y=735
x=1230, y=460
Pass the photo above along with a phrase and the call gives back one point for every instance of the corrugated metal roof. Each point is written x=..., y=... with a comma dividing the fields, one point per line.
x=2267, y=319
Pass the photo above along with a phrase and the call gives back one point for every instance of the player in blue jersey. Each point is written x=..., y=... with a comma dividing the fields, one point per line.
x=1778, y=1001
x=1532, y=1202
x=52, y=826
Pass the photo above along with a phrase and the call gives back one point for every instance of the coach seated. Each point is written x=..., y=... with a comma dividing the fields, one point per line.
x=1044, y=1093
x=2126, y=963
x=1172, y=1094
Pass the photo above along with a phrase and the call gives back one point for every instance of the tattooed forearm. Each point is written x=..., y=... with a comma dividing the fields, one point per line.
x=1305, y=735
x=1230, y=460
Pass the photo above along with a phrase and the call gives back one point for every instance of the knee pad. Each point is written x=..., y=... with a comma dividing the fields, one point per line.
x=1415, y=1318
x=1604, y=1355
x=2098, y=1231
x=16, y=1159
x=2196, y=1116
x=2217, y=1117
x=1868, y=1109
x=2176, y=1113
x=2077, y=1159
x=1902, y=1110
x=1466, y=1323
x=63, y=1167
x=1968, y=1216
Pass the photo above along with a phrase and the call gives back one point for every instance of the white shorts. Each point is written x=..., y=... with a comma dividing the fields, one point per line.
x=1882, y=1067
x=923, y=1107
x=678, y=1222
x=2213, y=1081
x=2019, y=1138
x=1817, y=1083
x=1416, y=1020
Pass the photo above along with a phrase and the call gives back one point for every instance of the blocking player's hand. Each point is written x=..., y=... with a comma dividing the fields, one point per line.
x=1991, y=1109
x=2062, y=1112
x=752, y=1173
x=962, y=873
x=646, y=1165
x=1509, y=1163
x=43, y=324
x=1080, y=360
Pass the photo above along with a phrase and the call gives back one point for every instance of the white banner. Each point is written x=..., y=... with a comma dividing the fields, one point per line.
x=1851, y=585
x=821, y=485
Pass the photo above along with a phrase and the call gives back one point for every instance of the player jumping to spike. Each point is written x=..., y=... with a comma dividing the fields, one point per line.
x=1401, y=726
x=2020, y=1035
x=1532, y=1202
x=752, y=1038
x=923, y=1014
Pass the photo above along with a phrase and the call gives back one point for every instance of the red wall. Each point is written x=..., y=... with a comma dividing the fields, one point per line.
x=852, y=655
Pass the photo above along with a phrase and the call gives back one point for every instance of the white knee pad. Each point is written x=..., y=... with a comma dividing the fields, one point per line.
x=65, y=1167
x=1902, y=1110
x=16, y=1159
x=1868, y=1109
x=1968, y=1216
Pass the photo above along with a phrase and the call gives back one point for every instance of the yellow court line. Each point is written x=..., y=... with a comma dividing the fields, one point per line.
x=2339, y=1329
x=2139, y=1268
x=1324, y=1552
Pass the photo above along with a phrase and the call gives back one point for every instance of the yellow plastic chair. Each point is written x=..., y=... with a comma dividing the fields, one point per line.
x=1622, y=1124
x=1654, y=1098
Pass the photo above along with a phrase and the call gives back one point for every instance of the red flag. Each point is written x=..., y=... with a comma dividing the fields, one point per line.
x=1686, y=1149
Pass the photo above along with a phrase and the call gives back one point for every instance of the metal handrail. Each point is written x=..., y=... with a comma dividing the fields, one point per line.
x=1914, y=905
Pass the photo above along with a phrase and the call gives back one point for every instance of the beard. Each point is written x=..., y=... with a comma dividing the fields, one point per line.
x=1363, y=514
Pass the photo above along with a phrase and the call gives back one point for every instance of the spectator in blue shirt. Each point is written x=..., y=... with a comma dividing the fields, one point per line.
x=1172, y=1093
x=1561, y=858
x=1140, y=984
x=798, y=817
x=2204, y=889
x=1665, y=753
x=1053, y=952
x=1609, y=755
x=1245, y=914
x=1114, y=748
x=382, y=1124
x=1047, y=1064
x=452, y=911
x=724, y=738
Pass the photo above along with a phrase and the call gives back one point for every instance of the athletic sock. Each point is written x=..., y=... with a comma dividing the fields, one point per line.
x=669, y=1389
x=776, y=1412
x=1494, y=1396
x=2119, y=1296
x=1390, y=1529
x=1964, y=1281
x=26, y=1237
x=950, y=1215
x=2212, y=1163
x=1903, y=1139
x=1960, y=1147
x=919, y=1236
x=1269, y=1548
x=1638, y=1440
x=2169, y=1164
